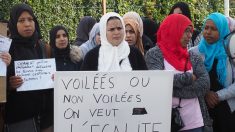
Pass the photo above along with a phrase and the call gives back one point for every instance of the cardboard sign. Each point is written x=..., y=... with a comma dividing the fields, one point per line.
x=4, y=47
x=3, y=28
x=36, y=74
x=3, y=89
x=137, y=101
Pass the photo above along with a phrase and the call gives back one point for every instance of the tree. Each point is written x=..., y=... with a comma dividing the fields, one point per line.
x=69, y=12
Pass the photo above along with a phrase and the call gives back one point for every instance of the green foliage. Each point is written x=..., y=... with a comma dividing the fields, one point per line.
x=199, y=9
x=57, y=12
x=5, y=6
x=69, y=12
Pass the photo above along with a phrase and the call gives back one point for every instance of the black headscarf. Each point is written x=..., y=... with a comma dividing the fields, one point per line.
x=150, y=28
x=17, y=39
x=83, y=29
x=183, y=7
x=56, y=52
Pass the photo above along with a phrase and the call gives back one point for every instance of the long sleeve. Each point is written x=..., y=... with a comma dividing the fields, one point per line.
x=154, y=59
x=183, y=79
x=184, y=86
x=227, y=93
x=201, y=85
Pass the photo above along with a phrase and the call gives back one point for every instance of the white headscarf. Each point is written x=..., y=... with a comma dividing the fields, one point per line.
x=136, y=17
x=112, y=58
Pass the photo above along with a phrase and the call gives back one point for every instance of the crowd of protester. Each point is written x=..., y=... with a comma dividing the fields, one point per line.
x=203, y=83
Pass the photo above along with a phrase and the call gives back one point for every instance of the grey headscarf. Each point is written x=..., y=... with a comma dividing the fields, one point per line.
x=91, y=43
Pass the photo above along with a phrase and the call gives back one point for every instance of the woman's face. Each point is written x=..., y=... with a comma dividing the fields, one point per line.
x=210, y=32
x=131, y=37
x=185, y=39
x=25, y=25
x=114, y=32
x=177, y=11
x=61, y=40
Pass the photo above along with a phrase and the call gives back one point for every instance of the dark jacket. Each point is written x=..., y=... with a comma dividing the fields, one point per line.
x=65, y=64
x=147, y=43
x=136, y=59
x=24, y=105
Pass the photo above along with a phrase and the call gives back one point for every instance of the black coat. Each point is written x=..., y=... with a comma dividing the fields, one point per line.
x=65, y=64
x=136, y=59
x=28, y=104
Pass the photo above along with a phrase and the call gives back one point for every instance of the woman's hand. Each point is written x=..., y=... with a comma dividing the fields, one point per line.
x=212, y=99
x=15, y=82
x=52, y=77
x=6, y=57
x=194, y=77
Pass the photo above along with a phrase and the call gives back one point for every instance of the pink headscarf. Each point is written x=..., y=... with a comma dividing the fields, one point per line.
x=231, y=23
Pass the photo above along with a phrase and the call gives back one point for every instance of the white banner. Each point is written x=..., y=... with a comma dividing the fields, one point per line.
x=36, y=74
x=137, y=101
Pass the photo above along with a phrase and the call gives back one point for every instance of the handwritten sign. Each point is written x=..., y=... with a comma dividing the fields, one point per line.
x=5, y=44
x=36, y=74
x=137, y=101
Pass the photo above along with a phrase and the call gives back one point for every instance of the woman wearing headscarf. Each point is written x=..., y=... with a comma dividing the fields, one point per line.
x=150, y=28
x=183, y=8
x=146, y=41
x=191, y=81
x=94, y=40
x=114, y=54
x=133, y=34
x=221, y=97
x=62, y=50
x=84, y=27
x=28, y=105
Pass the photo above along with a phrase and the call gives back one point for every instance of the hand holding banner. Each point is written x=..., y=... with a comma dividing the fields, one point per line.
x=36, y=74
